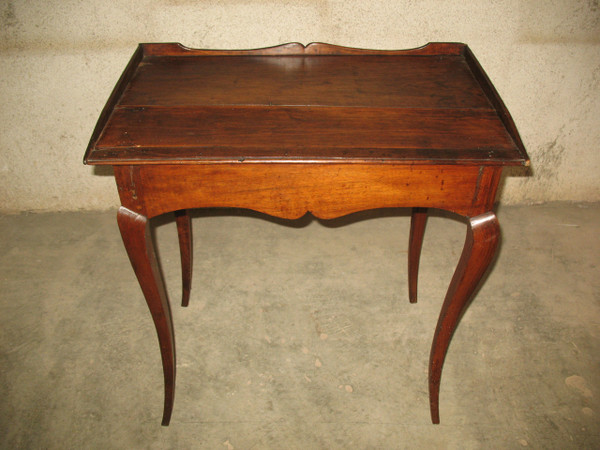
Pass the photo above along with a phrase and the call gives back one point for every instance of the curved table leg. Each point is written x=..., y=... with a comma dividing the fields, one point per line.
x=184, y=231
x=480, y=246
x=140, y=248
x=417, y=230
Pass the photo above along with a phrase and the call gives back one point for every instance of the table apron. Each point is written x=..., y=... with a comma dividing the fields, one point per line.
x=290, y=190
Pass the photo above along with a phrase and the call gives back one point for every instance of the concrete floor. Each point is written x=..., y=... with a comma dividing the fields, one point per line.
x=299, y=335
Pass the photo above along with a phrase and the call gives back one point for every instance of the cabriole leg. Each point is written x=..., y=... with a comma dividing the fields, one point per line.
x=480, y=246
x=417, y=230
x=184, y=231
x=140, y=248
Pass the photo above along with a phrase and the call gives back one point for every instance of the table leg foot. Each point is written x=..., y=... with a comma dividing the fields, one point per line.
x=417, y=230
x=140, y=248
x=480, y=246
x=184, y=231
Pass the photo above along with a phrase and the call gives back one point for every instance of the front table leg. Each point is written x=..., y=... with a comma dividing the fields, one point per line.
x=140, y=248
x=480, y=246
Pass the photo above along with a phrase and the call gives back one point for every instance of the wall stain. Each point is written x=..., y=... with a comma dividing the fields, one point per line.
x=549, y=162
x=9, y=17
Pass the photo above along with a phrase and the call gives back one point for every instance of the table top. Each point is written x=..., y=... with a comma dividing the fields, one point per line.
x=295, y=103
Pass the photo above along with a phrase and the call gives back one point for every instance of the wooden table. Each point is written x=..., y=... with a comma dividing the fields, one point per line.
x=294, y=129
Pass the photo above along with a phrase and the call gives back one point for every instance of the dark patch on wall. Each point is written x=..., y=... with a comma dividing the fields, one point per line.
x=9, y=17
x=549, y=161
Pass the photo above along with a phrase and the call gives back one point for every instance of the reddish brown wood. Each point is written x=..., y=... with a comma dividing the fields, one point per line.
x=296, y=48
x=363, y=80
x=115, y=95
x=140, y=248
x=316, y=103
x=495, y=100
x=293, y=129
x=433, y=48
x=483, y=233
x=177, y=49
x=417, y=230
x=186, y=248
x=326, y=190
x=150, y=134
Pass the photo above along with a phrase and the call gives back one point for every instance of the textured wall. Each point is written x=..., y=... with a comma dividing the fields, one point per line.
x=59, y=60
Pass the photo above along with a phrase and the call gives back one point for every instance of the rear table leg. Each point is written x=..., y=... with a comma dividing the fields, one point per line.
x=417, y=230
x=184, y=231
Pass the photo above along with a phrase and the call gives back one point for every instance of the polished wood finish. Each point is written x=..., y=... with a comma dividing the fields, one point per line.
x=280, y=134
x=296, y=48
x=140, y=248
x=323, y=103
x=291, y=190
x=186, y=248
x=483, y=233
x=418, y=220
x=294, y=129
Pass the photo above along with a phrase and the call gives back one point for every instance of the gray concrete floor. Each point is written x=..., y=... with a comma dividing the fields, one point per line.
x=299, y=335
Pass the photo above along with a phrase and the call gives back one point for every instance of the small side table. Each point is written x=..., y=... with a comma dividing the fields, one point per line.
x=294, y=129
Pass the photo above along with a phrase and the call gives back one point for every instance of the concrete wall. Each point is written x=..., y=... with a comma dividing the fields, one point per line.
x=59, y=60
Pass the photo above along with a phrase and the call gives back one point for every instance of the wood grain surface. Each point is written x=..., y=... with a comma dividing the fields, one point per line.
x=318, y=103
